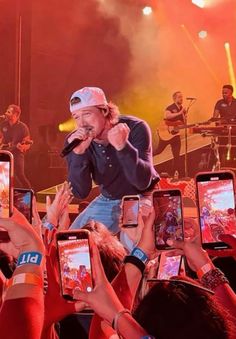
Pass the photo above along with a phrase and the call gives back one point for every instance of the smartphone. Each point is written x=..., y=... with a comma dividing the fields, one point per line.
x=6, y=181
x=74, y=262
x=130, y=210
x=168, y=266
x=168, y=222
x=216, y=207
x=23, y=199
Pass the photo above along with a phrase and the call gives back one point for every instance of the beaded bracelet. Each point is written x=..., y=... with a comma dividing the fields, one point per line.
x=213, y=279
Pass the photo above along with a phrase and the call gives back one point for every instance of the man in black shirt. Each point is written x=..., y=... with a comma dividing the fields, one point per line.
x=225, y=109
x=174, y=115
x=15, y=137
x=115, y=152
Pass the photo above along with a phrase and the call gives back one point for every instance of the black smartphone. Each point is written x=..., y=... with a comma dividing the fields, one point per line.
x=23, y=199
x=74, y=262
x=6, y=181
x=130, y=210
x=168, y=223
x=216, y=207
x=168, y=266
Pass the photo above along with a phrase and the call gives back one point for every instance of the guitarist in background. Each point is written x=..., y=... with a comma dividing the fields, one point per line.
x=174, y=115
x=15, y=137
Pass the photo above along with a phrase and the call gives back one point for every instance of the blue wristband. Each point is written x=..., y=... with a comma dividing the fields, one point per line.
x=138, y=253
x=147, y=337
x=25, y=258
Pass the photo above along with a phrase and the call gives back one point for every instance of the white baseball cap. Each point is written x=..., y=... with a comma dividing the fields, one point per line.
x=87, y=96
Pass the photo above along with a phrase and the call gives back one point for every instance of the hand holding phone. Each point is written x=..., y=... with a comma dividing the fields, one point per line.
x=168, y=223
x=130, y=210
x=216, y=207
x=74, y=262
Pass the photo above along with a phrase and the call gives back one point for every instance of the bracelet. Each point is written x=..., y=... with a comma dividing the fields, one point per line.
x=114, y=323
x=213, y=279
x=47, y=224
x=25, y=278
x=138, y=253
x=34, y=258
x=204, y=269
x=135, y=261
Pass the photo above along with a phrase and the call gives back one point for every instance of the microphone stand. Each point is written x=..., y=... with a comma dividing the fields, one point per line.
x=192, y=100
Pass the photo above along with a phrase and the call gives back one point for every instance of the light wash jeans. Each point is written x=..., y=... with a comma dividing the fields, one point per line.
x=101, y=209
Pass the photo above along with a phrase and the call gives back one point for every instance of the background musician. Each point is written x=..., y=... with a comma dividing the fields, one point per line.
x=174, y=115
x=225, y=109
x=15, y=137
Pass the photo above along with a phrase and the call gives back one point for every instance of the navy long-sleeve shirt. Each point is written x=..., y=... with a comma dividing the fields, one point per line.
x=118, y=173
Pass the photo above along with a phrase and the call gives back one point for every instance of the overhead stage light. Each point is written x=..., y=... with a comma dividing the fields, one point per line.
x=202, y=34
x=199, y=3
x=147, y=10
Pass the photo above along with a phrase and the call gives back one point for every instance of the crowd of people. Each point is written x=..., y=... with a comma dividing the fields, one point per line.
x=125, y=299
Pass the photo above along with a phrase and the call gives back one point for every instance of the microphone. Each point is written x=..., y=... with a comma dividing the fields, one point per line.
x=68, y=148
x=190, y=98
x=3, y=116
x=76, y=142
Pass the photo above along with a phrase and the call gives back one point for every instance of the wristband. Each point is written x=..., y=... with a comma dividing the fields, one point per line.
x=34, y=258
x=25, y=278
x=213, y=278
x=47, y=224
x=138, y=253
x=135, y=261
x=204, y=269
x=114, y=323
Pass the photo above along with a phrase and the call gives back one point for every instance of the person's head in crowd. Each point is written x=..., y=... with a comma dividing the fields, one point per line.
x=181, y=309
x=111, y=250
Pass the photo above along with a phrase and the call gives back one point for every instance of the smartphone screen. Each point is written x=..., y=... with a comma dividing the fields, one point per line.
x=216, y=205
x=130, y=210
x=6, y=164
x=168, y=266
x=23, y=202
x=168, y=223
x=75, y=264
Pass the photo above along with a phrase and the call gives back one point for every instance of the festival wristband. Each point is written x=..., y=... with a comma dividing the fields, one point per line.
x=25, y=278
x=138, y=253
x=25, y=258
x=114, y=323
x=204, y=269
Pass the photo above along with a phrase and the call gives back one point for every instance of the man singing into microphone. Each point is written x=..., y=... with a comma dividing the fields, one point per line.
x=115, y=152
x=15, y=137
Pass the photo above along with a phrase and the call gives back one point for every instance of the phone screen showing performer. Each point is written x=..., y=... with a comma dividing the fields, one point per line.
x=74, y=262
x=168, y=266
x=23, y=202
x=216, y=207
x=6, y=189
x=168, y=223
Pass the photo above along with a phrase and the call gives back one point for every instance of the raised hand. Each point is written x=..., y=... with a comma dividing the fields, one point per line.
x=118, y=136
